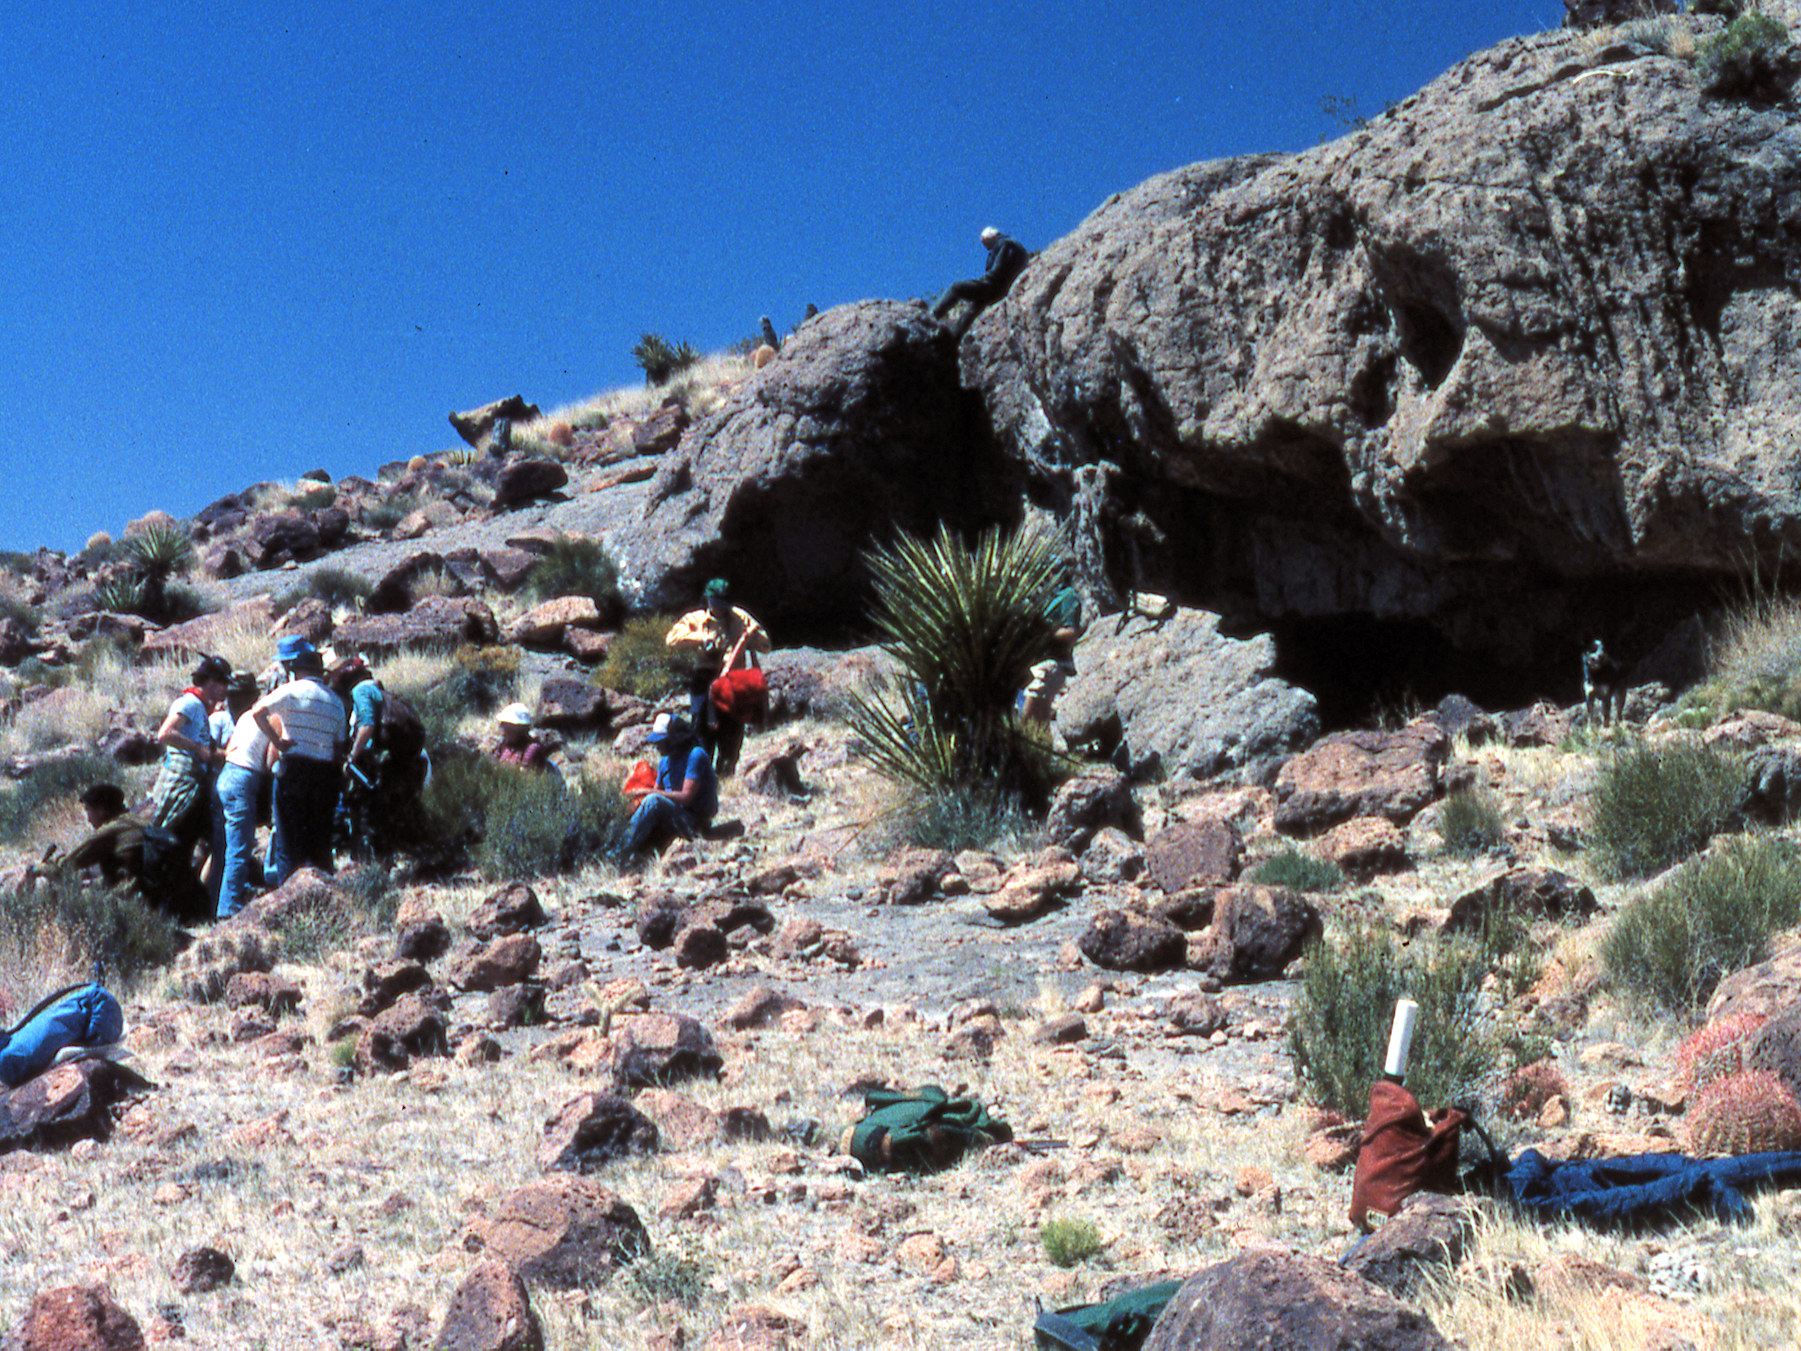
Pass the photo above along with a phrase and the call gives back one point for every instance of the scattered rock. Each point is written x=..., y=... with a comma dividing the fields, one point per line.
x=524, y=480
x=913, y=875
x=1429, y=1232
x=1123, y=940
x=761, y=1007
x=1086, y=804
x=1195, y=854
x=566, y=1232
x=1365, y=846
x=199, y=1270
x=506, y=960
x=74, y=1101
x=511, y=909
x=1531, y=892
x=490, y=1312
x=1361, y=773
x=403, y=1033
x=77, y=1318
x=1257, y=931
x=591, y=1131
x=660, y=1048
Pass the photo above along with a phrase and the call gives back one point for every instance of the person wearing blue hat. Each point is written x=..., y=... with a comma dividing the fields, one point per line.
x=686, y=795
x=304, y=721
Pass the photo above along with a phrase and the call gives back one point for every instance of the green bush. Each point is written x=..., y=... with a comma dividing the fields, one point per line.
x=659, y=359
x=639, y=662
x=339, y=588
x=524, y=824
x=1653, y=806
x=11, y=607
x=965, y=625
x=390, y=511
x=1068, y=1240
x=312, y=496
x=1338, y=1032
x=22, y=802
x=1748, y=60
x=480, y=680
x=370, y=904
x=667, y=1278
x=1714, y=916
x=1298, y=870
x=85, y=928
x=953, y=820
x=575, y=566
x=1471, y=822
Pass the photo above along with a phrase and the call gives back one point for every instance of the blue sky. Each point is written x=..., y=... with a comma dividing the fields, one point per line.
x=243, y=241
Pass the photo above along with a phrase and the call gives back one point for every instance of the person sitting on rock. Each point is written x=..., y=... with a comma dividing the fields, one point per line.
x=1006, y=260
x=123, y=851
x=686, y=795
x=721, y=639
x=517, y=747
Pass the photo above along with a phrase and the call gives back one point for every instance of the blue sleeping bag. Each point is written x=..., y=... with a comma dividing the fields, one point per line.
x=1646, y=1188
x=81, y=1015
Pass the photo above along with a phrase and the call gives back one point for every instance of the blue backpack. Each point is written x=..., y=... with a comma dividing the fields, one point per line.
x=80, y=1015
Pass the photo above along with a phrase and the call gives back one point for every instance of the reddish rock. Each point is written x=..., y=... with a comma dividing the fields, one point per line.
x=310, y=619
x=1366, y=846
x=525, y=480
x=201, y=1269
x=435, y=622
x=78, y=1100
x=410, y=1029
x=393, y=593
x=509, y=910
x=586, y=645
x=490, y=1312
x=660, y=1048
x=761, y=1007
x=1430, y=1232
x=700, y=946
x=1124, y=940
x=565, y=1232
x=1531, y=892
x=913, y=875
x=543, y=625
x=77, y=1318
x=506, y=960
x=572, y=705
x=276, y=995
x=592, y=1130
x=1361, y=773
x=1194, y=854
x=1257, y=931
x=1085, y=804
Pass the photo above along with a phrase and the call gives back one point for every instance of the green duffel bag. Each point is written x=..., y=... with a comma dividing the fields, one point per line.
x=1119, y=1324
x=921, y=1131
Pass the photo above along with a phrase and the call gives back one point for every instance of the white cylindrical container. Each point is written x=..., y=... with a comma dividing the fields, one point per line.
x=1400, y=1038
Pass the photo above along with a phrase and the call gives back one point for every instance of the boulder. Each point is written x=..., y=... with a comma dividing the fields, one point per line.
x=1365, y=846
x=490, y=1312
x=525, y=480
x=435, y=622
x=310, y=619
x=1257, y=931
x=505, y=960
x=475, y=425
x=591, y=1131
x=1112, y=858
x=1194, y=854
x=913, y=875
x=543, y=625
x=761, y=1006
x=1275, y=1300
x=1530, y=892
x=511, y=909
x=1181, y=691
x=565, y=1232
x=76, y=1318
x=199, y=1270
x=410, y=1029
x=15, y=642
x=69, y=1102
x=1089, y=802
x=276, y=537
x=661, y=432
x=859, y=431
x=1767, y=988
x=1031, y=889
x=1361, y=773
x=1776, y=1048
x=1429, y=1233
x=393, y=594
x=1124, y=940
x=659, y=1048
x=384, y=983
x=569, y=705
x=1426, y=372
x=194, y=637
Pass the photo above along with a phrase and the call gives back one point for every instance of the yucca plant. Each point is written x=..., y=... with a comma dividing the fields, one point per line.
x=965, y=624
x=157, y=554
x=660, y=359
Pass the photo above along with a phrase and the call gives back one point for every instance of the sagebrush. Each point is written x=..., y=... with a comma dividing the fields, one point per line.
x=1655, y=805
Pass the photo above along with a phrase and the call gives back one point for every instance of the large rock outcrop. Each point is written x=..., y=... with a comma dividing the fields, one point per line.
x=1511, y=360
x=857, y=430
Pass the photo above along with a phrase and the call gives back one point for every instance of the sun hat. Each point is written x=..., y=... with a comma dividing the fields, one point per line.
x=515, y=715
x=291, y=647
x=669, y=727
x=309, y=661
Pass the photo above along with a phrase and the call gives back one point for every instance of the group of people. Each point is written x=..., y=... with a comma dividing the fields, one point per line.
x=288, y=749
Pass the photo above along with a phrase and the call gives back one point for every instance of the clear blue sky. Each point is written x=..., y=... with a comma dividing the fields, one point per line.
x=243, y=241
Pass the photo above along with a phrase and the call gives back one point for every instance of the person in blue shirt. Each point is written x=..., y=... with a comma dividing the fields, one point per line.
x=686, y=795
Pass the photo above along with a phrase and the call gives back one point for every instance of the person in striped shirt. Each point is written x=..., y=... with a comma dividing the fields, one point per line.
x=305, y=722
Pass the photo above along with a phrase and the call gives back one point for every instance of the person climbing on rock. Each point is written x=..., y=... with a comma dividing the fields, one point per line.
x=1006, y=260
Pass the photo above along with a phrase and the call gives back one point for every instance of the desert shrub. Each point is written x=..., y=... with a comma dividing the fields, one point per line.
x=1339, y=1030
x=22, y=802
x=100, y=550
x=1744, y=1113
x=1748, y=60
x=660, y=359
x=964, y=623
x=953, y=820
x=88, y=928
x=1470, y=822
x=1653, y=806
x=122, y=593
x=182, y=602
x=479, y=681
x=1069, y=1239
x=576, y=566
x=1298, y=870
x=370, y=903
x=312, y=496
x=1526, y=1092
x=639, y=662
x=390, y=511
x=1755, y=664
x=11, y=607
x=1716, y=1049
x=1705, y=921
x=339, y=588
x=523, y=824
x=668, y=1277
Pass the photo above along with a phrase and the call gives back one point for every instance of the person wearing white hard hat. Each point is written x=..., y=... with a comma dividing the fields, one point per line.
x=517, y=748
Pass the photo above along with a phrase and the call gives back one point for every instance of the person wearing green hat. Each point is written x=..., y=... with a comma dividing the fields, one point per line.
x=721, y=638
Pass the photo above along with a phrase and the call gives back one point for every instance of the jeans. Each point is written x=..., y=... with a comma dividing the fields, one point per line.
x=656, y=819
x=234, y=836
x=306, y=800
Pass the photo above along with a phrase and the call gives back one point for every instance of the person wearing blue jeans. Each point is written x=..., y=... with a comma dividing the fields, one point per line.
x=687, y=792
x=309, y=743
x=234, y=832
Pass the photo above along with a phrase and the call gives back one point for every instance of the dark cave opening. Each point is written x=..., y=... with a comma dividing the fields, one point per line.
x=1363, y=670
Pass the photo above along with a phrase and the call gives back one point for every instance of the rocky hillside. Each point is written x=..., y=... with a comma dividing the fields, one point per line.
x=1432, y=406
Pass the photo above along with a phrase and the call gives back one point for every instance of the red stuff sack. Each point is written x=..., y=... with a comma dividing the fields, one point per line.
x=741, y=695
x=641, y=777
x=1402, y=1152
